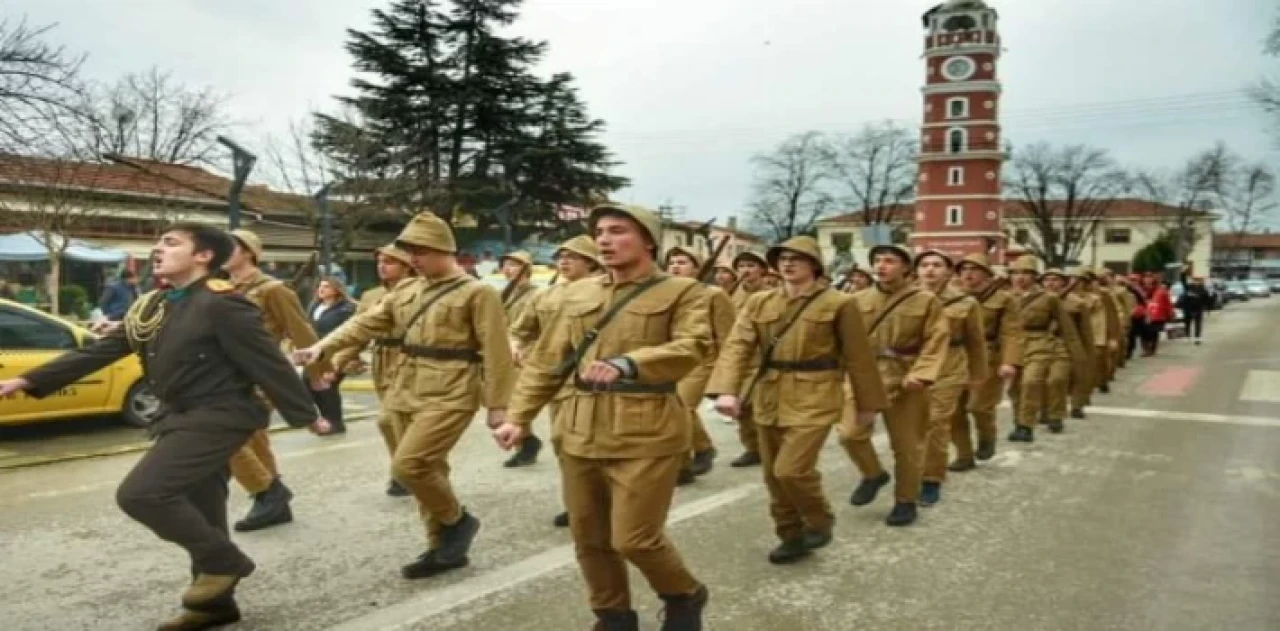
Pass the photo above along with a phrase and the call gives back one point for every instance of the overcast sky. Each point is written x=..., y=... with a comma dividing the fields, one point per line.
x=692, y=88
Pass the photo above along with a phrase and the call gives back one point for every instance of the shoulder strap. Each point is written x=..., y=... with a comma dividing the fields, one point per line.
x=766, y=353
x=1027, y=301
x=888, y=309
x=953, y=301
x=565, y=369
x=441, y=293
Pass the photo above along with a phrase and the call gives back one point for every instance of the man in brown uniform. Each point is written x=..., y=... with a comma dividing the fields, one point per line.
x=813, y=339
x=859, y=279
x=1121, y=302
x=394, y=267
x=1049, y=333
x=1080, y=380
x=1105, y=325
x=178, y=489
x=726, y=279
x=254, y=465
x=517, y=267
x=1002, y=334
x=686, y=264
x=909, y=335
x=965, y=367
x=752, y=269
x=625, y=340
x=456, y=359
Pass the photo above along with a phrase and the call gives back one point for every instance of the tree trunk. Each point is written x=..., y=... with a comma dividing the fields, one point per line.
x=55, y=280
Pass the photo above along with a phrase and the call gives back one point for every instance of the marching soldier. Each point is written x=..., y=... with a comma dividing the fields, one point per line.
x=394, y=268
x=752, y=268
x=726, y=279
x=254, y=465
x=965, y=367
x=772, y=279
x=1106, y=328
x=1124, y=304
x=576, y=259
x=517, y=267
x=1080, y=367
x=686, y=264
x=178, y=489
x=456, y=359
x=1002, y=335
x=909, y=335
x=859, y=279
x=1049, y=335
x=812, y=339
x=625, y=340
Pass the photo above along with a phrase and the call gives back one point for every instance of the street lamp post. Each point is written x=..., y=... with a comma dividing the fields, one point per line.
x=326, y=229
x=242, y=162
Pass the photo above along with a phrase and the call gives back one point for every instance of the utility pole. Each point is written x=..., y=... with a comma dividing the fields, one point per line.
x=326, y=230
x=242, y=162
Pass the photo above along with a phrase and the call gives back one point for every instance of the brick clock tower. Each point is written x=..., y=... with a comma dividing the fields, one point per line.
x=958, y=200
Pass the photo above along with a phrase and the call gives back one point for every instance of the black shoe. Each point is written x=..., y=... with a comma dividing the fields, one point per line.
x=430, y=564
x=561, y=520
x=1056, y=427
x=986, y=450
x=1075, y=413
x=789, y=551
x=456, y=539
x=395, y=489
x=616, y=620
x=867, y=489
x=747, y=459
x=960, y=466
x=686, y=476
x=270, y=508
x=684, y=613
x=703, y=461
x=903, y=514
x=224, y=614
x=527, y=454
x=1022, y=434
x=815, y=539
x=930, y=493
x=1105, y=388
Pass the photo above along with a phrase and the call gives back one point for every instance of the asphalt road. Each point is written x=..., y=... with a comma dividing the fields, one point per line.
x=1158, y=512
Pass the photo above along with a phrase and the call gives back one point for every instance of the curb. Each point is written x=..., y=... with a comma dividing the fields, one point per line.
x=35, y=461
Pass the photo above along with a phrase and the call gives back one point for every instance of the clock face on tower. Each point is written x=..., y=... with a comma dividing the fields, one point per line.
x=958, y=68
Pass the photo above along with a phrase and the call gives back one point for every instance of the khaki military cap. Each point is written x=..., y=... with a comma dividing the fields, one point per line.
x=896, y=250
x=693, y=256
x=648, y=220
x=978, y=260
x=426, y=230
x=728, y=268
x=1054, y=271
x=753, y=255
x=392, y=252
x=583, y=246
x=523, y=258
x=248, y=241
x=804, y=246
x=1026, y=264
x=938, y=253
x=1080, y=271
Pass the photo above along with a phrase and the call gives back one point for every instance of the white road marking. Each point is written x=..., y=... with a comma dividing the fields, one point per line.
x=1196, y=417
x=1261, y=385
x=422, y=608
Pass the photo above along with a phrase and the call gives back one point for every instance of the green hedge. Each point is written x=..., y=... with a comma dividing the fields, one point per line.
x=73, y=300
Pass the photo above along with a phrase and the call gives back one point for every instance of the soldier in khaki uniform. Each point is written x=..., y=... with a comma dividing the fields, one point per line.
x=1105, y=325
x=726, y=279
x=965, y=367
x=254, y=465
x=1123, y=302
x=909, y=335
x=815, y=341
x=1049, y=335
x=624, y=340
x=1002, y=334
x=1079, y=367
x=687, y=264
x=859, y=279
x=456, y=358
x=772, y=279
x=517, y=267
x=752, y=269
x=394, y=267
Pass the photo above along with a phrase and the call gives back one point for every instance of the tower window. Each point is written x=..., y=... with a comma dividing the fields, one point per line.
x=955, y=215
x=957, y=141
x=958, y=107
x=955, y=176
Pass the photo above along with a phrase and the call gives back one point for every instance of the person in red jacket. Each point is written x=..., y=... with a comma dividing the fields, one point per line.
x=1159, y=311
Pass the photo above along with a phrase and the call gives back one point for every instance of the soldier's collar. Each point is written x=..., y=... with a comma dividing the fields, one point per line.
x=607, y=280
x=884, y=289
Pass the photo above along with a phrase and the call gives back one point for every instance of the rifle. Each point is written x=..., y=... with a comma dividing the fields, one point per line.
x=706, y=275
x=306, y=271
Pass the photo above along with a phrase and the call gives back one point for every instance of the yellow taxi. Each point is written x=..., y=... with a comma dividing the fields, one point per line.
x=541, y=277
x=29, y=338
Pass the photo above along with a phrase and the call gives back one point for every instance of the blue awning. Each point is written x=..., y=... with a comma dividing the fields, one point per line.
x=25, y=246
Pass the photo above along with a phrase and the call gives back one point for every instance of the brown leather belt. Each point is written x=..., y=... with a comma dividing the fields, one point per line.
x=808, y=365
x=388, y=342
x=957, y=342
x=443, y=354
x=624, y=387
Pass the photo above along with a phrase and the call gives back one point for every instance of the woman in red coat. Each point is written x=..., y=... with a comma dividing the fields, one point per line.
x=1159, y=312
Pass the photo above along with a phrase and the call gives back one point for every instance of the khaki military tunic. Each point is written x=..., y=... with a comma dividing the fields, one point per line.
x=966, y=362
x=1003, y=336
x=536, y=319
x=1051, y=341
x=748, y=437
x=1081, y=310
x=515, y=302
x=386, y=358
x=692, y=388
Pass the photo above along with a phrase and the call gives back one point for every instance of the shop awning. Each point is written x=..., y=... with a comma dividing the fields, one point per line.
x=25, y=246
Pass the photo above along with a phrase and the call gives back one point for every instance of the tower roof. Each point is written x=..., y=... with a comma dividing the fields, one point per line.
x=954, y=5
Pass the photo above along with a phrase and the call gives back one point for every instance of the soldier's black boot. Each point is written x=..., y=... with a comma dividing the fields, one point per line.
x=1105, y=388
x=561, y=520
x=527, y=454
x=686, y=476
x=815, y=539
x=960, y=466
x=747, y=459
x=867, y=489
x=1022, y=434
x=270, y=508
x=930, y=493
x=903, y=514
x=395, y=489
x=456, y=539
x=224, y=613
x=1056, y=427
x=1075, y=413
x=430, y=564
x=789, y=551
x=616, y=620
x=703, y=461
x=986, y=450
x=684, y=613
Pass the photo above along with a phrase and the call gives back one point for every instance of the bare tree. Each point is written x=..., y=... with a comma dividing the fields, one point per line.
x=1064, y=192
x=875, y=169
x=38, y=85
x=1191, y=192
x=790, y=191
x=1248, y=200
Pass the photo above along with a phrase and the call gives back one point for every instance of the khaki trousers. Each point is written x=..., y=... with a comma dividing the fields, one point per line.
x=748, y=435
x=945, y=404
x=1103, y=366
x=618, y=513
x=253, y=465
x=390, y=433
x=789, y=458
x=421, y=464
x=1029, y=390
x=904, y=420
x=981, y=402
x=1057, y=387
x=691, y=390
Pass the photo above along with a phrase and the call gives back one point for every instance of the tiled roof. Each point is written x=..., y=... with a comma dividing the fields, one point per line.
x=1231, y=241
x=1119, y=209
x=254, y=198
x=92, y=176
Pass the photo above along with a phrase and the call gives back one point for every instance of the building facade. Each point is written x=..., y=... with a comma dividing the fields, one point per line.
x=1247, y=255
x=958, y=200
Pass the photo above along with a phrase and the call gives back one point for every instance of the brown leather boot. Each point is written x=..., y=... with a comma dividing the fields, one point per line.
x=227, y=613
x=205, y=592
